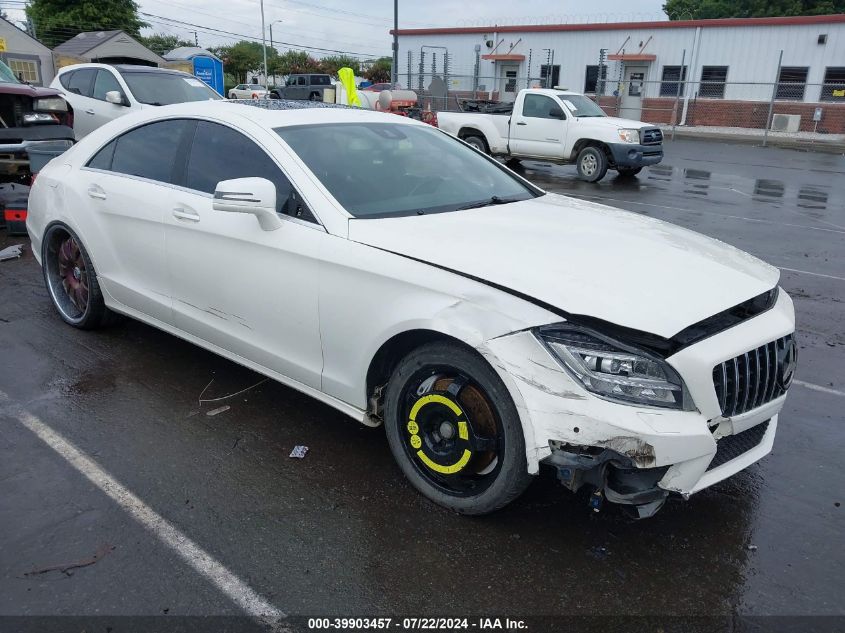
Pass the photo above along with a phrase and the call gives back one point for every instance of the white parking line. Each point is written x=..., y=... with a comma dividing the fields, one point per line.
x=809, y=385
x=807, y=272
x=194, y=555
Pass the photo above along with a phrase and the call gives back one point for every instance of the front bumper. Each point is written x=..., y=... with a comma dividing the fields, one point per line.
x=630, y=155
x=561, y=419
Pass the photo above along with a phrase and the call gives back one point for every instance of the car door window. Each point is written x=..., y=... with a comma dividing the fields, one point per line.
x=221, y=153
x=81, y=81
x=150, y=151
x=540, y=107
x=300, y=81
x=105, y=82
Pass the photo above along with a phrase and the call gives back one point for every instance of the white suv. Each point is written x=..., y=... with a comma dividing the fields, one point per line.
x=248, y=91
x=99, y=93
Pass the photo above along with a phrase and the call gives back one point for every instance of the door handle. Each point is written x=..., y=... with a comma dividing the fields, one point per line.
x=89, y=112
x=521, y=123
x=95, y=191
x=183, y=214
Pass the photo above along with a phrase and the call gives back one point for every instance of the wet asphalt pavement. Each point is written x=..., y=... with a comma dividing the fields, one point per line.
x=340, y=532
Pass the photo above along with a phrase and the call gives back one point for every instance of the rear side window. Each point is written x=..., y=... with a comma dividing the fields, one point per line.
x=149, y=151
x=64, y=78
x=81, y=82
x=103, y=158
x=220, y=153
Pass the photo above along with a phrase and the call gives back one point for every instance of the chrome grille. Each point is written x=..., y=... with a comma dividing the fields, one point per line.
x=751, y=379
x=652, y=136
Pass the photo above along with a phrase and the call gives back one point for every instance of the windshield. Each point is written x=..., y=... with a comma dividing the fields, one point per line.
x=580, y=105
x=6, y=75
x=387, y=169
x=158, y=88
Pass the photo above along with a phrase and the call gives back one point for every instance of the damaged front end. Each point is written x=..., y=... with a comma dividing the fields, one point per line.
x=611, y=475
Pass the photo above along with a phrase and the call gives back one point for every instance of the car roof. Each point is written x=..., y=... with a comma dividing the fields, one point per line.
x=277, y=112
x=124, y=68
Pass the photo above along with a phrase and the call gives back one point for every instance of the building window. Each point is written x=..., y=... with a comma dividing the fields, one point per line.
x=550, y=81
x=833, y=88
x=713, y=82
x=673, y=77
x=25, y=70
x=593, y=81
x=791, y=83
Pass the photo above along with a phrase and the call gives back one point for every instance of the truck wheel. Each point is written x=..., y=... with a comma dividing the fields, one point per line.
x=592, y=164
x=478, y=143
x=628, y=172
x=454, y=430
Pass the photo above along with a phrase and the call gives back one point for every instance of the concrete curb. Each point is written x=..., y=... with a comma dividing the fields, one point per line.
x=824, y=146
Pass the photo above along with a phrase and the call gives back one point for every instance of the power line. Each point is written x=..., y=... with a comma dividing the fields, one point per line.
x=253, y=38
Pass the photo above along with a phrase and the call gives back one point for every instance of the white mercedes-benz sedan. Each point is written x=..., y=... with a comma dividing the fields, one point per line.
x=397, y=274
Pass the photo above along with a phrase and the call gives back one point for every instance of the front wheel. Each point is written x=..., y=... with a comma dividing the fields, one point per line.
x=454, y=430
x=232, y=95
x=592, y=164
x=628, y=172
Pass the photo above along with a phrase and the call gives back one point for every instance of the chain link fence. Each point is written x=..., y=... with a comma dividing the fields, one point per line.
x=791, y=106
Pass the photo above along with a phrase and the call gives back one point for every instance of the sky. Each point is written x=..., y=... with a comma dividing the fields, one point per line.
x=360, y=26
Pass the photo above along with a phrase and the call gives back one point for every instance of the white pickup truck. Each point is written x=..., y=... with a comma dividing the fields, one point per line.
x=562, y=127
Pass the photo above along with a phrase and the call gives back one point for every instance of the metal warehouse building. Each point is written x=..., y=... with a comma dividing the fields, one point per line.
x=725, y=72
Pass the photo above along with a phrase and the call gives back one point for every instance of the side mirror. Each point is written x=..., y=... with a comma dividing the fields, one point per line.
x=557, y=113
x=115, y=97
x=256, y=196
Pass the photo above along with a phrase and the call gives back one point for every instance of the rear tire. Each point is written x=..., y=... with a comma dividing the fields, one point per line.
x=72, y=281
x=477, y=142
x=592, y=164
x=454, y=430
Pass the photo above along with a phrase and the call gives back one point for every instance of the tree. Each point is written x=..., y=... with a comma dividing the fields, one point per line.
x=163, y=43
x=710, y=9
x=294, y=62
x=379, y=71
x=57, y=21
x=245, y=57
x=334, y=63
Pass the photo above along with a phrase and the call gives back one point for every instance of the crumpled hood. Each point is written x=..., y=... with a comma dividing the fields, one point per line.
x=583, y=258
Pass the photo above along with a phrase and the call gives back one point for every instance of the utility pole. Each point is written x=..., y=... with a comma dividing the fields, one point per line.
x=394, y=69
x=264, y=41
x=196, y=38
x=271, y=46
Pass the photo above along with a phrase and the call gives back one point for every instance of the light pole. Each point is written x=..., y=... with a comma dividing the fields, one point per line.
x=394, y=71
x=264, y=41
x=271, y=46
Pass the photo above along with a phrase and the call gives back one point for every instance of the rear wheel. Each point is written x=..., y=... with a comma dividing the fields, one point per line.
x=592, y=164
x=454, y=429
x=72, y=281
x=477, y=142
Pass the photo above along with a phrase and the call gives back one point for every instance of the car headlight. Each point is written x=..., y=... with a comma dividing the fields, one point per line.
x=39, y=117
x=50, y=104
x=613, y=370
x=629, y=136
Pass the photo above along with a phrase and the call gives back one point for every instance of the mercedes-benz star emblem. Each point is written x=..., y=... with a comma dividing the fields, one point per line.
x=788, y=362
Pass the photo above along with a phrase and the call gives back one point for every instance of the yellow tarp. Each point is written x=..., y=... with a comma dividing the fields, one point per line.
x=347, y=78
